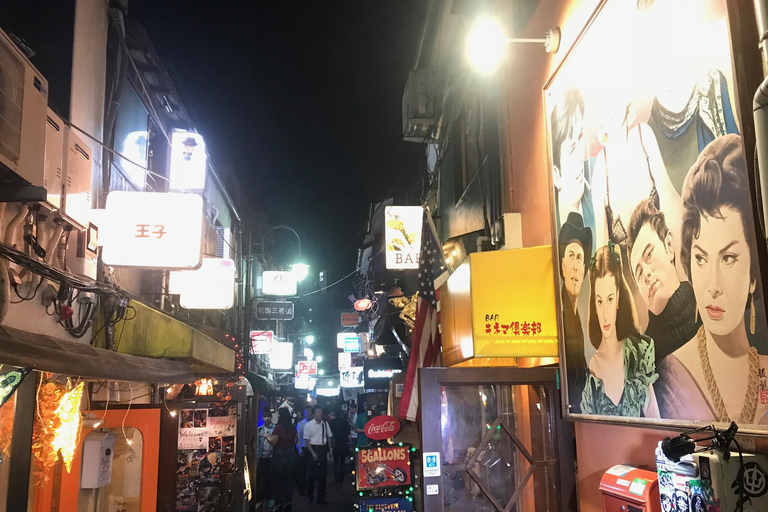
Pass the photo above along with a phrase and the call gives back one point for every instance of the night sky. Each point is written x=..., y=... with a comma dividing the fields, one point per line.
x=302, y=100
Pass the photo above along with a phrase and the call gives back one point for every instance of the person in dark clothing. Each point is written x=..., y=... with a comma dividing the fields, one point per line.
x=340, y=429
x=283, y=439
x=575, y=241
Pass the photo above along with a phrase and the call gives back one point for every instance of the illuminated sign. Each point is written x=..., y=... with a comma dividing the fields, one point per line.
x=403, y=236
x=212, y=286
x=347, y=338
x=188, y=161
x=274, y=310
x=153, y=230
x=281, y=357
x=351, y=377
x=378, y=372
x=261, y=342
x=301, y=382
x=331, y=392
x=383, y=466
x=345, y=360
x=279, y=283
x=307, y=368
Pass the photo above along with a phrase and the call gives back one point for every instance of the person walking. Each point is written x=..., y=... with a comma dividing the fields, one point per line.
x=360, y=421
x=283, y=439
x=264, y=452
x=301, y=447
x=319, y=439
x=340, y=429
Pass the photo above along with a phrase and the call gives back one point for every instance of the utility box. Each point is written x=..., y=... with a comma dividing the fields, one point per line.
x=98, y=451
x=629, y=489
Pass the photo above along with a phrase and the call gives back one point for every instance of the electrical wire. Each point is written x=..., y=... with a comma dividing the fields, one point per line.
x=330, y=285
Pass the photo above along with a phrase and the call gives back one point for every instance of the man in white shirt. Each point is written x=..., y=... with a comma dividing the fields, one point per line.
x=319, y=441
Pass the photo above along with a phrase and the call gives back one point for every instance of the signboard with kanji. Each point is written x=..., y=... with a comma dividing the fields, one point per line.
x=307, y=368
x=274, y=310
x=153, y=230
x=261, y=342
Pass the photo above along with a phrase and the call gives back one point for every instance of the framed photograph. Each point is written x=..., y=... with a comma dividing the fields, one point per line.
x=656, y=248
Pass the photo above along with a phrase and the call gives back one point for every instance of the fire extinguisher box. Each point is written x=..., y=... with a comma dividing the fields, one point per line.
x=629, y=489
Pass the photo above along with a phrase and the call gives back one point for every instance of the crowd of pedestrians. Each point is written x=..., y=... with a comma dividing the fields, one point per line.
x=299, y=454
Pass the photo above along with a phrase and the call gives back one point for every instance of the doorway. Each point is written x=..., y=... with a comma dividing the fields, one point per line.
x=501, y=441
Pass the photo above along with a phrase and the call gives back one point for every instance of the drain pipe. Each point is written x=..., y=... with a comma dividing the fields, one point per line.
x=760, y=113
x=761, y=15
x=5, y=283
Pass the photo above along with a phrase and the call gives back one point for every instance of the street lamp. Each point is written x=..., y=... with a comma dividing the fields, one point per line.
x=319, y=359
x=321, y=372
x=308, y=354
x=487, y=44
x=309, y=339
x=300, y=271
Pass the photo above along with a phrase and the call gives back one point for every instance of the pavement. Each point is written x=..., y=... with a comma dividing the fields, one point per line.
x=339, y=500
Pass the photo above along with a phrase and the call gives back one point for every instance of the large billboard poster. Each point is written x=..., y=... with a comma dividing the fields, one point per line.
x=659, y=279
x=403, y=236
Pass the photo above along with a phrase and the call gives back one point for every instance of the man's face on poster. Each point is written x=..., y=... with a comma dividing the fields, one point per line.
x=573, y=268
x=570, y=171
x=652, y=263
x=188, y=152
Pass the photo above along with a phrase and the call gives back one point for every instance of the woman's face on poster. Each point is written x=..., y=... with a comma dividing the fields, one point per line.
x=570, y=173
x=720, y=271
x=607, y=304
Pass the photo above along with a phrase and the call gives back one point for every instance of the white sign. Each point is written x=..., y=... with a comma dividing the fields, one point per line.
x=351, y=377
x=188, y=161
x=433, y=490
x=279, y=283
x=281, y=357
x=153, y=230
x=431, y=462
x=403, y=236
x=344, y=338
x=212, y=286
x=345, y=360
x=301, y=382
x=331, y=392
x=261, y=342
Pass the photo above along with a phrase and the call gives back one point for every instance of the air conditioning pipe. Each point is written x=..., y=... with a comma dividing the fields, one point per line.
x=5, y=283
x=760, y=113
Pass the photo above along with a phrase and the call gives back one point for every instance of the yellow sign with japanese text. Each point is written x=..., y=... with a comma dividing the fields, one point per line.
x=500, y=304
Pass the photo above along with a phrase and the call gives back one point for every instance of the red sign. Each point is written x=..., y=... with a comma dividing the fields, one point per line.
x=307, y=368
x=386, y=466
x=382, y=427
x=349, y=319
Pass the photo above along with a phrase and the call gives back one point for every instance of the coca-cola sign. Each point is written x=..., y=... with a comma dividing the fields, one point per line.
x=382, y=427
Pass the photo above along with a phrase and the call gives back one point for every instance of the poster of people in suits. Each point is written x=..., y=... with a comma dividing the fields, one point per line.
x=662, y=309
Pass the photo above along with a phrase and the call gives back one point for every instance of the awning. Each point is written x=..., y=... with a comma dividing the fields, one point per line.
x=44, y=353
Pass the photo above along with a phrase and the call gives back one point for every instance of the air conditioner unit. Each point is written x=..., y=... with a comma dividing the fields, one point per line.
x=23, y=104
x=419, y=106
x=54, y=159
x=77, y=179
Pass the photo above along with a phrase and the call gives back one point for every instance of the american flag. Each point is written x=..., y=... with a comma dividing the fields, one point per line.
x=425, y=347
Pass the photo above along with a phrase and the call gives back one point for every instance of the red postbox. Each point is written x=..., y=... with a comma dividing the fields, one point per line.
x=629, y=489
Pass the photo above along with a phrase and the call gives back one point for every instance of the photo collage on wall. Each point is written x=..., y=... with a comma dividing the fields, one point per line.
x=206, y=451
x=662, y=309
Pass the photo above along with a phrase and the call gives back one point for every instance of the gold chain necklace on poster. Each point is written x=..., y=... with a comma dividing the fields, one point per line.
x=749, y=408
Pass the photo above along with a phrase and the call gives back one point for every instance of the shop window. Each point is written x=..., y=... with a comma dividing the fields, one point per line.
x=123, y=492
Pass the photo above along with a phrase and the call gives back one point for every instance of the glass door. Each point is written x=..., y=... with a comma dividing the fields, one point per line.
x=501, y=440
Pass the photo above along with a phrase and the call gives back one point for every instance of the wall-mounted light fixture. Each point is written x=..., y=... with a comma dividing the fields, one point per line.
x=487, y=44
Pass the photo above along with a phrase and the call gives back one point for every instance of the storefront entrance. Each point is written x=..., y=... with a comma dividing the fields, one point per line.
x=501, y=444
